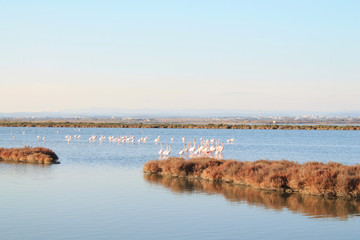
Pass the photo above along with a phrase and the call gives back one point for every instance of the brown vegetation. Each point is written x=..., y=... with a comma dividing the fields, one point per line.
x=313, y=178
x=28, y=155
x=176, y=125
x=312, y=206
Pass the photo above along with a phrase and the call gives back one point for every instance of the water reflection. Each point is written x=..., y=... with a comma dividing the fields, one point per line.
x=311, y=206
x=38, y=165
x=23, y=169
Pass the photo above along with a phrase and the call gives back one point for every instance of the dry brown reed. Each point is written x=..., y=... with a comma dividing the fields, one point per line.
x=29, y=155
x=315, y=207
x=313, y=178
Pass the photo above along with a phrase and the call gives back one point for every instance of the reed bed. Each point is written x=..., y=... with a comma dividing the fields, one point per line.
x=315, y=207
x=313, y=178
x=28, y=155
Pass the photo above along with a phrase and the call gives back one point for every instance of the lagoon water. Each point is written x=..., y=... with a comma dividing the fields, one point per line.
x=100, y=192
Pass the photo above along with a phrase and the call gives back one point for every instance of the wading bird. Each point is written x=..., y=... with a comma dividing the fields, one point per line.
x=161, y=150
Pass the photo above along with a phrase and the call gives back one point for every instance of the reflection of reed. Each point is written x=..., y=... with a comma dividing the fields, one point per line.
x=39, y=165
x=315, y=207
x=22, y=170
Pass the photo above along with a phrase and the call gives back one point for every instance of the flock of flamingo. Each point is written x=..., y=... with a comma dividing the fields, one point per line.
x=206, y=147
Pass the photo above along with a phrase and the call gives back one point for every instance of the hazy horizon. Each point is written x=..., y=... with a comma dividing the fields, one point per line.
x=163, y=113
x=281, y=56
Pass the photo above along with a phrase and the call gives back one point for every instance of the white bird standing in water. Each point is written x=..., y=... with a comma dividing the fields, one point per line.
x=161, y=150
x=168, y=150
x=192, y=149
x=183, y=150
x=231, y=140
x=157, y=140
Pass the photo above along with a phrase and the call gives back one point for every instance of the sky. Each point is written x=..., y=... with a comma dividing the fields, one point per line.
x=179, y=55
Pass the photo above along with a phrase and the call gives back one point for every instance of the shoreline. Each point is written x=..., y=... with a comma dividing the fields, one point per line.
x=178, y=125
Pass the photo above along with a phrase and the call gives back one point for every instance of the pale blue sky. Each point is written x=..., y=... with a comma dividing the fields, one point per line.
x=243, y=55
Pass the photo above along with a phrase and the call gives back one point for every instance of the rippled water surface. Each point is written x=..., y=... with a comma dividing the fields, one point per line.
x=100, y=192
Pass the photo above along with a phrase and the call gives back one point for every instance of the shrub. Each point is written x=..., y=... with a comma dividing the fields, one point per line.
x=315, y=178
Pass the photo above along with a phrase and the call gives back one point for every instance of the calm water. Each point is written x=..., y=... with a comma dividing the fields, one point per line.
x=99, y=191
